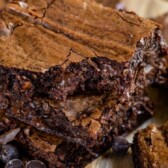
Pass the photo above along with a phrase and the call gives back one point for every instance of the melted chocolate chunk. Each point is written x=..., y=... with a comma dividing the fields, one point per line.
x=35, y=164
x=120, y=145
x=8, y=152
x=15, y=163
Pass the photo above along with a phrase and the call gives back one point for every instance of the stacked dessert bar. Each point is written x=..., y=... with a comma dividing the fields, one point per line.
x=74, y=75
x=163, y=20
x=150, y=145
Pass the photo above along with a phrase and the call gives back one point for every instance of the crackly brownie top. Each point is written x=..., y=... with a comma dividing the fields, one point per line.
x=39, y=34
x=152, y=143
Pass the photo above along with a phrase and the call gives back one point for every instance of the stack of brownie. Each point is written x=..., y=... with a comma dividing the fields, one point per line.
x=150, y=145
x=163, y=20
x=74, y=75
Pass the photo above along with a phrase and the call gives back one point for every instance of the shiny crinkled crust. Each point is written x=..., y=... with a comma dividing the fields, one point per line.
x=86, y=33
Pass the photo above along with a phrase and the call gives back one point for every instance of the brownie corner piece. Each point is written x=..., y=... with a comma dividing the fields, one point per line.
x=150, y=147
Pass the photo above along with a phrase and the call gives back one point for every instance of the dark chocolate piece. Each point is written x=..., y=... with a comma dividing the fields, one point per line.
x=120, y=145
x=35, y=163
x=15, y=163
x=8, y=152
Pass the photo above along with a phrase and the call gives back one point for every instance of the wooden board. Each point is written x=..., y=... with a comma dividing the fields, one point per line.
x=147, y=8
x=144, y=8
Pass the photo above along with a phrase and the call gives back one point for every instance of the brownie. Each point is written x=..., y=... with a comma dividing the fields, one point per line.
x=163, y=20
x=72, y=72
x=20, y=101
x=48, y=81
x=150, y=148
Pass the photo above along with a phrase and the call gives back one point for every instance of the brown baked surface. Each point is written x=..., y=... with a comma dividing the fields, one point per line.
x=86, y=31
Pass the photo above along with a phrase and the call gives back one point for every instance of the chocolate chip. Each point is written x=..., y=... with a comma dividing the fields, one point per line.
x=8, y=152
x=15, y=163
x=35, y=164
x=120, y=145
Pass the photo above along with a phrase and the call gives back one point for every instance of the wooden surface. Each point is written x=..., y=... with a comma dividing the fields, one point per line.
x=145, y=8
